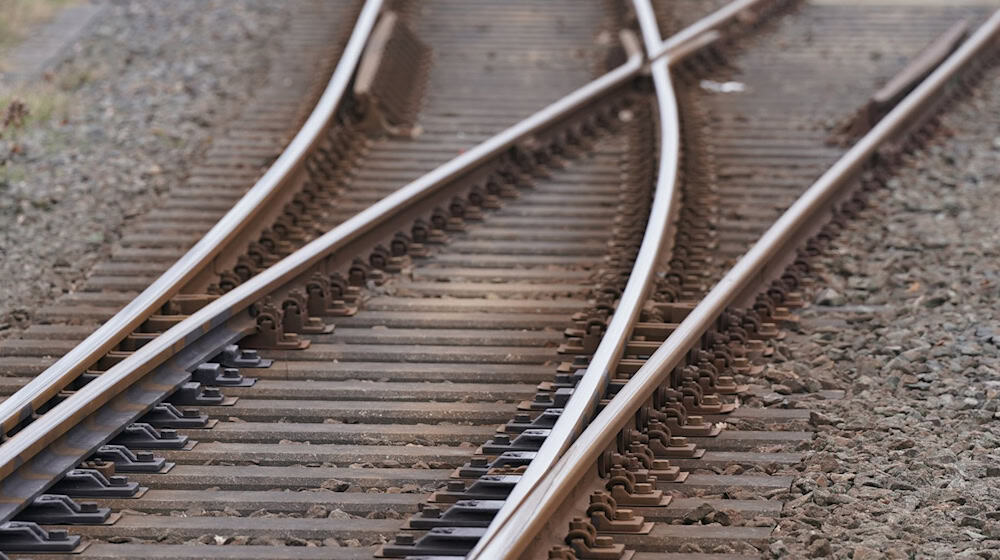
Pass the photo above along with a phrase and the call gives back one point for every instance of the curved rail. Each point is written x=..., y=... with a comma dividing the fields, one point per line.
x=358, y=229
x=507, y=531
x=673, y=46
x=22, y=404
x=763, y=262
x=588, y=392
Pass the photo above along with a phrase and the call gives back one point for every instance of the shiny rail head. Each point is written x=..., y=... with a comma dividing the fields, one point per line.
x=590, y=388
x=47, y=385
x=30, y=398
x=361, y=232
x=724, y=16
x=764, y=261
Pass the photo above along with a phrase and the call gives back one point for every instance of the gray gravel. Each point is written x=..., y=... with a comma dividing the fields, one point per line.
x=908, y=465
x=141, y=94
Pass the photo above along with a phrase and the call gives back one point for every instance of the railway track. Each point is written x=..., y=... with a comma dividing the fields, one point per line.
x=504, y=285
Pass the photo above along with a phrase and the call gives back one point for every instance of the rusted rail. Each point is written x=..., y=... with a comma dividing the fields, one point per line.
x=764, y=262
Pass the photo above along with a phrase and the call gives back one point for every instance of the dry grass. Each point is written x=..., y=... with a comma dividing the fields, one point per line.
x=18, y=17
x=45, y=101
x=42, y=101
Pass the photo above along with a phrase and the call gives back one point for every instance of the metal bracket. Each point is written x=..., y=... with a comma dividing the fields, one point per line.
x=634, y=489
x=523, y=421
x=128, y=461
x=561, y=552
x=270, y=332
x=563, y=381
x=608, y=518
x=439, y=541
x=59, y=509
x=489, y=487
x=193, y=393
x=219, y=375
x=674, y=447
x=528, y=440
x=144, y=436
x=544, y=400
x=587, y=545
x=480, y=466
x=320, y=300
x=166, y=415
x=25, y=536
x=235, y=357
x=463, y=513
x=91, y=483
x=696, y=401
x=296, y=317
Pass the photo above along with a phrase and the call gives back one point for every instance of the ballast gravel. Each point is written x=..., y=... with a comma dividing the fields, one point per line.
x=907, y=321
x=141, y=92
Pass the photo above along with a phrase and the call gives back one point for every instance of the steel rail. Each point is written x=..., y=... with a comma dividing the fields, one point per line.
x=36, y=435
x=764, y=261
x=587, y=394
x=504, y=537
x=705, y=25
x=23, y=403
x=919, y=67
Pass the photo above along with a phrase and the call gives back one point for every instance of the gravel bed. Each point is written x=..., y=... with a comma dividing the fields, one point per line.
x=907, y=321
x=131, y=108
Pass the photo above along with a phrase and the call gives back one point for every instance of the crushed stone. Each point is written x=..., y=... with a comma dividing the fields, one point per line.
x=907, y=465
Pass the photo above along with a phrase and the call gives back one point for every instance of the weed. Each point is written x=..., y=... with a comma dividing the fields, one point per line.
x=11, y=123
x=45, y=100
x=23, y=109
